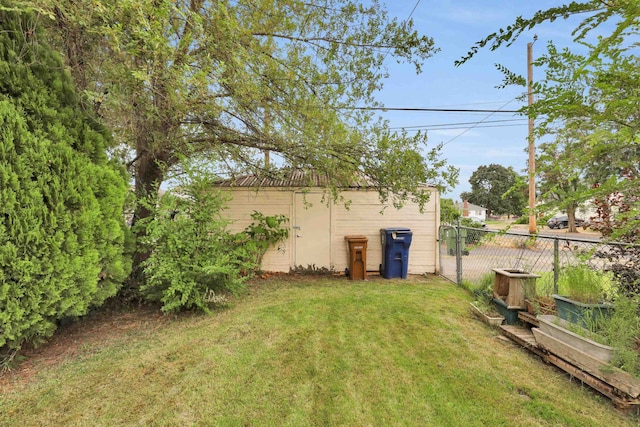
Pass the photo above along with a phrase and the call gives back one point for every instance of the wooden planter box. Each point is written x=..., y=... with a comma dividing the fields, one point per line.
x=509, y=286
x=557, y=328
x=586, y=354
x=542, y=305
x=491, y=320
x=510, y=314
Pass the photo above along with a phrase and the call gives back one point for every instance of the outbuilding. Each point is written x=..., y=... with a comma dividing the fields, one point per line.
x=318, y=225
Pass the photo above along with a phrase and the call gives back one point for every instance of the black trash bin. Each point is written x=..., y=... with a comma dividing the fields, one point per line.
x=395, y=252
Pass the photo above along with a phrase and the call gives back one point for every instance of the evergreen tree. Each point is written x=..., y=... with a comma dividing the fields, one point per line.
x=62, y=233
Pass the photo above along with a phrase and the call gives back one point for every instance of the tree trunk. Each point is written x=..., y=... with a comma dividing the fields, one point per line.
x=571, y=214
x=149, y=174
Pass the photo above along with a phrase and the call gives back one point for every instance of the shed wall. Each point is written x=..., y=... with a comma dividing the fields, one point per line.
x=362, y=217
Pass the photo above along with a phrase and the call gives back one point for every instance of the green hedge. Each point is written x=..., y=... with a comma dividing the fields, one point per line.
x=62, y=234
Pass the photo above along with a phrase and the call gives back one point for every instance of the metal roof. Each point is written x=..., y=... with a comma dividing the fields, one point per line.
x=293, y=178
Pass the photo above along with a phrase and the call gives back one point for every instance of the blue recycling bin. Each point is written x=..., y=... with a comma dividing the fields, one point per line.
x=395, y=252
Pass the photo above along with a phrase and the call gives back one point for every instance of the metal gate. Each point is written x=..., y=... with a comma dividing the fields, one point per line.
x=448, y=238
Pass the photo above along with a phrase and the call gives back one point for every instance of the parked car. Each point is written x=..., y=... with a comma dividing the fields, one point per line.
x=476, y=221
x=563, y=222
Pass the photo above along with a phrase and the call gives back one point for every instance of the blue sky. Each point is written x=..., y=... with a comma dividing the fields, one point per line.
x=455, y=26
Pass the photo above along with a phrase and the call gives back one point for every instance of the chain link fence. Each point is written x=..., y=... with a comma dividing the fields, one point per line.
x=470, y=254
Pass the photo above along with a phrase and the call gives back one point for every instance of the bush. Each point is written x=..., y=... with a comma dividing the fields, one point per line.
x=62, y=233
x=264, y=232
x=524, y=219
x=194, y=257
x=470, y=222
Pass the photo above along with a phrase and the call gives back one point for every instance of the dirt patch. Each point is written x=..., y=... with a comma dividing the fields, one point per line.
x=92, y=332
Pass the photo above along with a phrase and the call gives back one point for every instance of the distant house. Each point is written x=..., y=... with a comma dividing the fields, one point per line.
x=318, y=228
x=469, y=210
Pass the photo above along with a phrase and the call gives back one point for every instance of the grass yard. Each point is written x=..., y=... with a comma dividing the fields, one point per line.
x=305, y=352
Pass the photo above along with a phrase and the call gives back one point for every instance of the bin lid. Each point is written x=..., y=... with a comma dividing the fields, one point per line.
x=356, y=238
x=390, y=230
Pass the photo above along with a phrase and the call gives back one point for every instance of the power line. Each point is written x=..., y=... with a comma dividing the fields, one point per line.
x=467, y=127
x=389, y=49
x=502, y=101
x=414, y=9
x=475, y=125
x=437, y=125
x=439, y=110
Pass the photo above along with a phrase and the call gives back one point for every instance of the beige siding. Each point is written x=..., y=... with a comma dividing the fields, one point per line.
x=367, y=216
x=364, y=216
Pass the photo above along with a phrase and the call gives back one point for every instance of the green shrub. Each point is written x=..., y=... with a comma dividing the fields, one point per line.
x=470, y=222
x=524, y=219
x=62, y=232
x=264, y=232
x=194, y=256
x=192, y=252
x=482, y=286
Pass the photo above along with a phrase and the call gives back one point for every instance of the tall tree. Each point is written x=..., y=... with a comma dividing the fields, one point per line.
x=561, y=172
x=490, y=188
x=598, y=92
x=62, y=232
x=594, y=94
x=449, y=213
x=225, y=81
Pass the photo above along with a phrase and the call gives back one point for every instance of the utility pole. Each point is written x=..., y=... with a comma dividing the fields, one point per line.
x=532, y=144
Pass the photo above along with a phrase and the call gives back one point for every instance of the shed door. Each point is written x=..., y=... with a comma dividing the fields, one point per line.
x=312, y=228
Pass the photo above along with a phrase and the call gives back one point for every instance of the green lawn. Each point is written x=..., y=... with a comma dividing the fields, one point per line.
x=312, y=352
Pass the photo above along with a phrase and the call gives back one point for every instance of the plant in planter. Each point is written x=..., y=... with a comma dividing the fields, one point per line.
x=583, y=294
x=538, y=296
x=483, y=306
x=622, y=332
x=609, y=349
x=485, y=310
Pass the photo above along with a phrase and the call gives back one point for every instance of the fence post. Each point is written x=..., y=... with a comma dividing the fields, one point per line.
x=458, y=255
x=556, y=263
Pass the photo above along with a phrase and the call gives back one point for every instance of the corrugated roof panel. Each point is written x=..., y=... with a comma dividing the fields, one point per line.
x=294, y=178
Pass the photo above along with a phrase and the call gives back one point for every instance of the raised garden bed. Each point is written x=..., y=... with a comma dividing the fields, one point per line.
x=576, y=311
x=492, y=319
x=584, y=353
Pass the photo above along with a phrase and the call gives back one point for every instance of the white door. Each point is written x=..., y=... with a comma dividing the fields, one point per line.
x=312, y=228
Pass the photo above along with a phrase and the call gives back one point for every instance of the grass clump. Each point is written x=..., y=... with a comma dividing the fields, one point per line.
x=620, y=330
x=585, y=285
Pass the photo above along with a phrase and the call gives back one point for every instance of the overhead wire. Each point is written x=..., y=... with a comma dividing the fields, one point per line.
x=437, y=125
x=465, y=127
x=477, y=124
x=437, y=110
x=446, y=110
x=389, y=49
